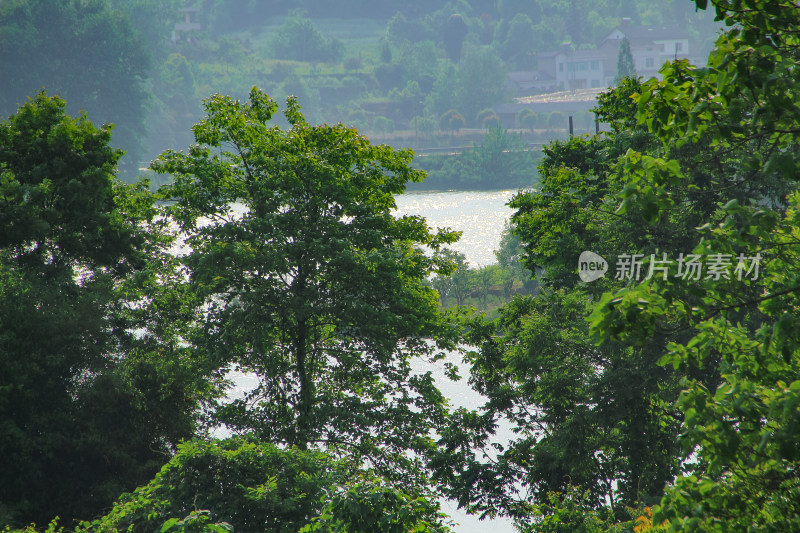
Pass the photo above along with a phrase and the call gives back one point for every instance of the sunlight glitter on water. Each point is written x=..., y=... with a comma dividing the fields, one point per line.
x=479, y=215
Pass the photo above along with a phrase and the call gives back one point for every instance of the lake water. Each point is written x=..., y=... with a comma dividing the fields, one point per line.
x=481, y=217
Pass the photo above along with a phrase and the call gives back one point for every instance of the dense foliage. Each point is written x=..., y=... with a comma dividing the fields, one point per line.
x=84, y=52
x=249, y=486
x=659, y=394
x=742, y=430
x=95, y=391
x=687, y=375
x=307, y=279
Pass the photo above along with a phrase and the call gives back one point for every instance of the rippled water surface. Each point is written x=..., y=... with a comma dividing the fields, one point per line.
x=480, y=215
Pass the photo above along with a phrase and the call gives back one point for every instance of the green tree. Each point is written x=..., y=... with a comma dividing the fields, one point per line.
x=488, y=119
x=309, y=281
x=742, y=429
x=501, y=158
x=527, y=119
x=176, y=104
x=86, y=53
x=557, y=121
x=453, y=35
x=509, y=258
x=299, y=39
x=689, y=165
x=423, y=126
x=400, y=29
x=249, y=486
x=530, y=8
x=374, y=506
x=154, y=20
x=481, y=77
x=625, y=66
x=440, y=99
x=485, y=278
x=599, y=418
x=461, y=277
x=386, y=52
x=95, y=385
x=383, y=124
x=474, y=84
x=452, y=120
x=520, y=41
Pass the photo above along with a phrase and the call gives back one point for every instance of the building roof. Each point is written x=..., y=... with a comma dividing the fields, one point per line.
x=638, y=35
x=578, y=95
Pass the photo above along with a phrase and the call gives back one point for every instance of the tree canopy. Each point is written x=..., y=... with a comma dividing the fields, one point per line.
x=308, y=279
x=84, y=52
x=94, y=390
x=674, y=376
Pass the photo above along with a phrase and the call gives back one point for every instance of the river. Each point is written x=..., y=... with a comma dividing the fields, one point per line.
x=481, y=217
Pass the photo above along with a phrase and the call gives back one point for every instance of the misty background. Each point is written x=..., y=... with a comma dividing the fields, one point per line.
x=437, y=76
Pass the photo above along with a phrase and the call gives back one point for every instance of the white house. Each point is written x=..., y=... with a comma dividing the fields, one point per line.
x=568, y=69
x=651, y=46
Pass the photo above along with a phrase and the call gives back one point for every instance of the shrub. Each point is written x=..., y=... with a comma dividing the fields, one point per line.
x=527, y=119
x=452, y=120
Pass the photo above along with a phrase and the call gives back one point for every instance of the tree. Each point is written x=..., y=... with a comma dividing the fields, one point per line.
x=440, y=99
x=481, y=78
x=453, y=35
x=741, y=430
x=300, y=40
x=95, y=387
x=502, y=158
x=452, y=120
x=485, y=278
x=557, y=120
x=675, y=371
x=423, y=126
x=383, y=124
x=250, y=485
x=461, y=284
x=509, y=257
x=386, y=52
x=101, y=65
x=527, y=119
x=244, y=485
x=374, y=506
x=520, y=41
x=577, y=22
x=530, y=8
x=599, y=420
x=308, y=280
x=488, y=119
x=625, y=66
x=474, y=84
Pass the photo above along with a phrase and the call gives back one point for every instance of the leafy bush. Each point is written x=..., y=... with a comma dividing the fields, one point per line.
x=557, y=120
x=383, y=125
x=527, y=119
x=254, y=486
x=487, y=118
x=452, y=120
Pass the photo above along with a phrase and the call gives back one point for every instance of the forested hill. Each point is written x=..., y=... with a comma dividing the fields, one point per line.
x=414, y=73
